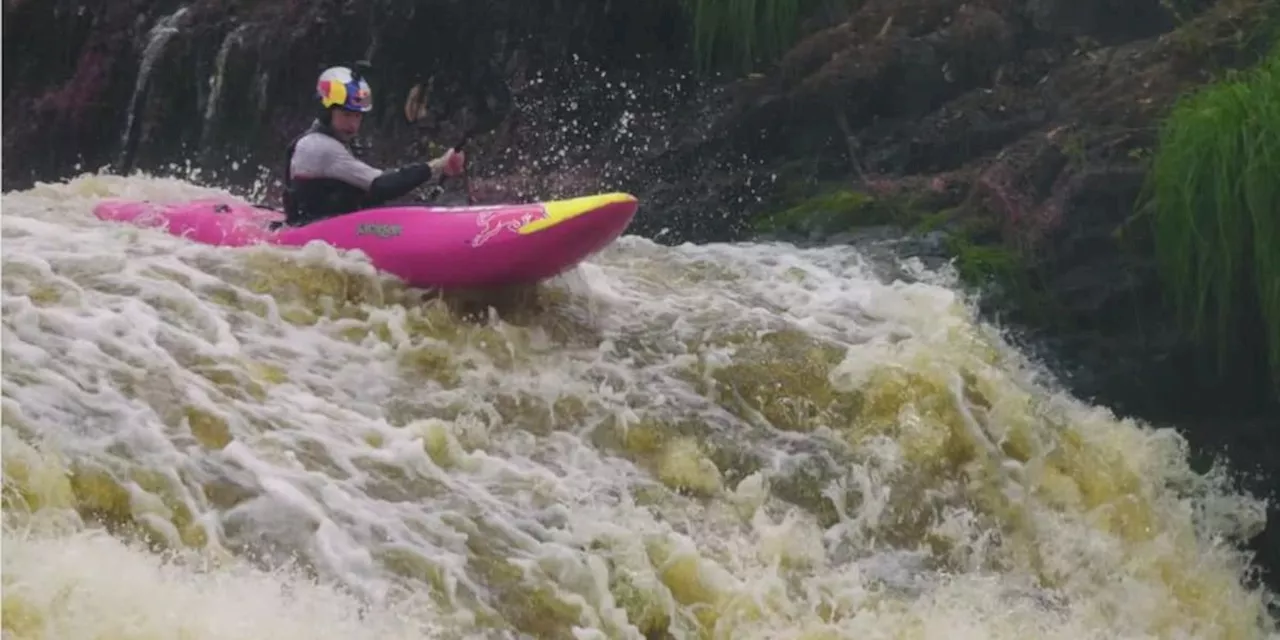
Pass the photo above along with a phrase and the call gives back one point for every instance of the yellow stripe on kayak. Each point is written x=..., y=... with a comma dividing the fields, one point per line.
x=560, y=210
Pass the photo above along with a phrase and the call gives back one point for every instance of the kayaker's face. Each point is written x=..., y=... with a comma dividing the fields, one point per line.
x=346, y=123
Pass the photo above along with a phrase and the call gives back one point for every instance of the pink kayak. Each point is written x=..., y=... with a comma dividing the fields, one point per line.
x=425, y=246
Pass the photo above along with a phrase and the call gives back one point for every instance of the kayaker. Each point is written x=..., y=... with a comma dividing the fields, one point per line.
x=323, y=178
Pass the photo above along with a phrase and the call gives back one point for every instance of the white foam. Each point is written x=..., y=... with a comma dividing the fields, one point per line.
x=89, y=585
x=401, y=463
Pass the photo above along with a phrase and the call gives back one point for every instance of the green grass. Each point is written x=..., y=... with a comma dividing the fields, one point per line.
x=740, y=34
x=1214, y=191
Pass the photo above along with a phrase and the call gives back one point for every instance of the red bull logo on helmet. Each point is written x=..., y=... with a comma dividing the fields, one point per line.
x=361, y=97
x=336, y=87
x=493, y=223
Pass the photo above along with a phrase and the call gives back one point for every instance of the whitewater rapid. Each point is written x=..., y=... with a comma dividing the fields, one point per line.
x=725, y=441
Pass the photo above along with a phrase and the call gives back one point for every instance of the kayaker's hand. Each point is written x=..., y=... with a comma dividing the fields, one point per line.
x=452, y=163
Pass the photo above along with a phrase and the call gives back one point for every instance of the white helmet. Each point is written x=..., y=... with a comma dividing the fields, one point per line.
x=339, y=87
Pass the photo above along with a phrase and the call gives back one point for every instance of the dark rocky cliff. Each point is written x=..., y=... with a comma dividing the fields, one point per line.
x=1013, y=135
x=140, y=84
x=1023, y=126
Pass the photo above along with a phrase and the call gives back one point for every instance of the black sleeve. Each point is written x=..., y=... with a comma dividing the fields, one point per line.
x=397, y=182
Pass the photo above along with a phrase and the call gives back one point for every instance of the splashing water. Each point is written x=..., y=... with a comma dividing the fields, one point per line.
x=726, y=441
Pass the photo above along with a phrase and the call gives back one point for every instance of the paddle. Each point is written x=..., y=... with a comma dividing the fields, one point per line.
x=466, y=175
x=360, y=68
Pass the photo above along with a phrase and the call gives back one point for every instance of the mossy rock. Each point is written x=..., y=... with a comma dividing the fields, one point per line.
x=838, y=211
x=986, y=264
x=1005, y=277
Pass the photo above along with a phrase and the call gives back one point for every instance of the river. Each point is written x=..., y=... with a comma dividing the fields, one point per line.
x=723, y=441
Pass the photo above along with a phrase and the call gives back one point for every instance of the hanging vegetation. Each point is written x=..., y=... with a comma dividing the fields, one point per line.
x=1215, y=193
x=741, y=34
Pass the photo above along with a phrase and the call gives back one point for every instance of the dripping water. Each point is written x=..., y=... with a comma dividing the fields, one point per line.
x=157, y=40
x=216, y=80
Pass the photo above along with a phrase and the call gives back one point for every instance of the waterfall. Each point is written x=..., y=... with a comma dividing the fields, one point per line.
x=157, y=39
x=216, y=81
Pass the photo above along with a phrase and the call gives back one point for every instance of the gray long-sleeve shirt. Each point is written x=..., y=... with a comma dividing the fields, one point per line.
x=325, y=179
x=318, y=155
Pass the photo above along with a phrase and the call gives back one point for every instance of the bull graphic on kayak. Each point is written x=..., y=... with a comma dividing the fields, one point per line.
x=492, y=223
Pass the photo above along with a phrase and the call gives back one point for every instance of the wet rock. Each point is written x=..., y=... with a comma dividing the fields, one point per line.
x=1107, y=20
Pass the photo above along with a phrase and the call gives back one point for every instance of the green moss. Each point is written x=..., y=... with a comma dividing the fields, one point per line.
x=1007, y=278
x=1214, y=196
x=741, y=34
x=816, y=213
x=982, y=260
x=840, y=210
x=985, y=265
x=936, y=221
